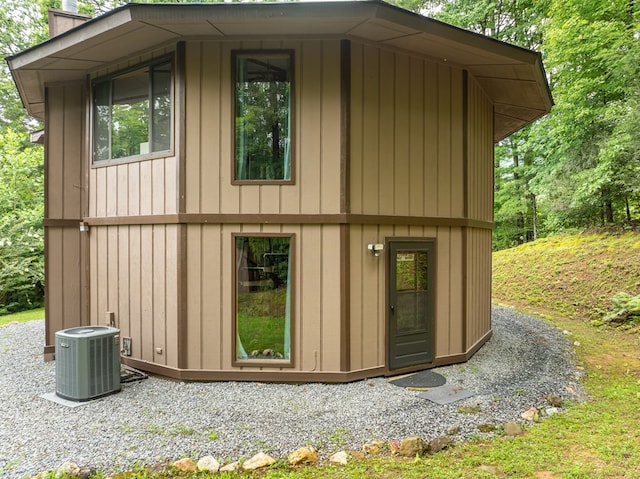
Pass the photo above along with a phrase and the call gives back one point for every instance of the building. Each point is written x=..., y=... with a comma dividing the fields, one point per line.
x=274, y=192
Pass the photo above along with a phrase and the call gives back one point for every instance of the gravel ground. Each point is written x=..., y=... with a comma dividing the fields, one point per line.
x=156, y=419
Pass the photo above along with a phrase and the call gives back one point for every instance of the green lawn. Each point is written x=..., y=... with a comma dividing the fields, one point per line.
x=22, y=317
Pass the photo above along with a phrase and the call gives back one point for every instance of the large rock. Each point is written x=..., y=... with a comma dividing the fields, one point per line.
x=258, y=461
x=531, y=414
x=439, y=443
x=304, y=455
x=412, y=446
x=373, y=447
x=339, y=458
x=208, y=464
x=186, y=465
x=231, y=467
x=68, y=469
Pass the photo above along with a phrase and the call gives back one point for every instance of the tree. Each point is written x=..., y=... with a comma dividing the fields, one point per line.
x=21, y=232
x=592, y=137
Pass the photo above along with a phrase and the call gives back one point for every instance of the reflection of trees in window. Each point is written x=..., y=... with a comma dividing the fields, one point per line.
x=132, y=113
x=412, y=271
x=263, y=116
x=263, y=290
x=412, y=286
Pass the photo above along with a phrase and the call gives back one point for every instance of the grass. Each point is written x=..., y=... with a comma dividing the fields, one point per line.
x=566, y=281
x=261, y=320
x=22, y=317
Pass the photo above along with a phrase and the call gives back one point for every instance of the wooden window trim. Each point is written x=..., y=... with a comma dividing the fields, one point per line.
x=172, y=58
x=292, y=112
x=261, y=363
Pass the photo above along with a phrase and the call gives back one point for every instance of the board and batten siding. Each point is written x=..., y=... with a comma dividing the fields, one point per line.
x=368, y=308
x=316, y=302
x=64, y=180
x=410, y=157
x=316, y=296
x=480, y=184
x=209, y=132
x=134, y=274
x=407, y=126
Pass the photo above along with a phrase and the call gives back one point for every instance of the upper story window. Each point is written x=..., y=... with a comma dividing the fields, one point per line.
x=132, y=112
x=263, y=98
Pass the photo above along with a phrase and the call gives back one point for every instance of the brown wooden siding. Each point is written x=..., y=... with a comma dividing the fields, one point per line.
x=480, y=154
x=407, y=117
x=368, y=288
x=209, y=122
x=134, y=275
x=478, y=287
x=146, y=187
x=316, y=296
x=64, y=180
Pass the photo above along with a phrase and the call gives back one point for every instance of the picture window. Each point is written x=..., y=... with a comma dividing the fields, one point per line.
x=132, y=112
x=263, y=298
x=263, y=91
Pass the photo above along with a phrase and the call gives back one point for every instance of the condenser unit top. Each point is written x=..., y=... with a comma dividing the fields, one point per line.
x=88, y=332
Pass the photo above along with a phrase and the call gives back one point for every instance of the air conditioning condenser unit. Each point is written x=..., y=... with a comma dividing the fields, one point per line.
x=87, y=362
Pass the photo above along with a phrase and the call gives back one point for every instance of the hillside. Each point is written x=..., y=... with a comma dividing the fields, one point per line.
x=573, y=275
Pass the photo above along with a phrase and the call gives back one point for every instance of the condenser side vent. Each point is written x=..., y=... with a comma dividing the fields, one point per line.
x=87, y=362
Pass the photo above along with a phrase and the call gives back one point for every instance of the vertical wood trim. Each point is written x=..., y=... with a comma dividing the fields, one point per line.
x=345, y=121
x=47, y=252
x=182, y=299
x=465, y=144
x=465, y=206
x=180, y=144
x=345, y=299
x=466, y=293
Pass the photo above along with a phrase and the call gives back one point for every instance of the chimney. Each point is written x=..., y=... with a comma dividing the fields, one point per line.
x=70, y=6
x=62, y=20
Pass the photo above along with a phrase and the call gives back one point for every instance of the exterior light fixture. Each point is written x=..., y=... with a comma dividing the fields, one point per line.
x=84, y=227
x=375, y=248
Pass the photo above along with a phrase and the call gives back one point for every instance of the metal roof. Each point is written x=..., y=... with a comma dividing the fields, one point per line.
x=513, y=77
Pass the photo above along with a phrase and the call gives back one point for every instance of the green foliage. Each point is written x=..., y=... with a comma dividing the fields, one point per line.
x=574, y=275
x=21, y=232
x=627, y=309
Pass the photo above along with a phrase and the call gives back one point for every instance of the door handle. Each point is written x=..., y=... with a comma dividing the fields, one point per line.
x=393, y=308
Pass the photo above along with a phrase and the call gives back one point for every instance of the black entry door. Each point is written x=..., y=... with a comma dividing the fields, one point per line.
x=411, y=303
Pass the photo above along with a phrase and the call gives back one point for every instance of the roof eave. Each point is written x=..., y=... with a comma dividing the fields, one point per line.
x=372, y=20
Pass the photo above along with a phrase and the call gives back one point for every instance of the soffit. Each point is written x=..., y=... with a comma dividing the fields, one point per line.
x=512, y=77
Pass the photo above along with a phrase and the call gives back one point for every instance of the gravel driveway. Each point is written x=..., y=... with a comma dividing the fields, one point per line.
x=157, y=419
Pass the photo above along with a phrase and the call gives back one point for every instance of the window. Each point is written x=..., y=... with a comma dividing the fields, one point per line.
x=132, y=113
x=263, y=298
x=263, y=116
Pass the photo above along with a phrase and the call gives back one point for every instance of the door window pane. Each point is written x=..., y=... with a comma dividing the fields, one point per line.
x=412, y=291
x=263, y=298
x=263, y=116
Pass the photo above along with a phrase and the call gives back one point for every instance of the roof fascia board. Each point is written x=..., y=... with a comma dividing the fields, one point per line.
x=454, y=34
x=109, y=21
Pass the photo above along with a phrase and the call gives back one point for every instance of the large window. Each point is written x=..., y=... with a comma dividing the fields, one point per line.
x=263, y=116
x=132, y=112
x=263, y=298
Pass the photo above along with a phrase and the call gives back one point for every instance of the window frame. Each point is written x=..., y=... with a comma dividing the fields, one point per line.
x=292, y=115
x=263, y=363
x=169, y=58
